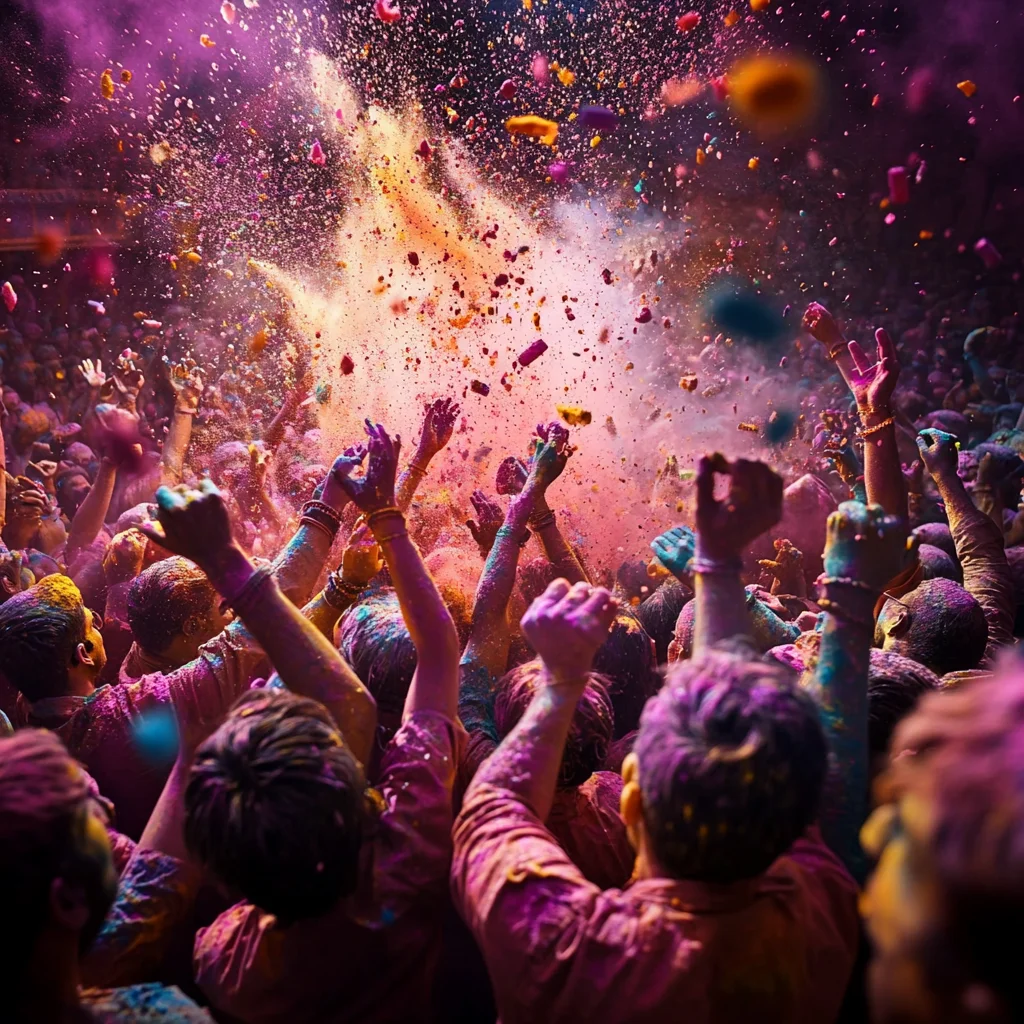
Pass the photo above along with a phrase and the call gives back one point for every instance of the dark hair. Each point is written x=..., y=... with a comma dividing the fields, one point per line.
x=43, y=808
x=936, y=563
x=1015, y=558
x=40, y=629
x=732, y=758
x=374, y=640
x=938, y=535
x=659, y=613
x=627, y=658
x=274, y=805
x=948, y=631
x=590, y=733
x=163, y=598
x=895, y=684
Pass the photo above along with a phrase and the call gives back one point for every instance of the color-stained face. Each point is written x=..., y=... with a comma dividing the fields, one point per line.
x=95, y=638
x=900, y=907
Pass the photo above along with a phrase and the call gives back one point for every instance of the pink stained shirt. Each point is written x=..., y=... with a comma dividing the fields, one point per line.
x=778, y=948
x=372, y=957
x=98, y=730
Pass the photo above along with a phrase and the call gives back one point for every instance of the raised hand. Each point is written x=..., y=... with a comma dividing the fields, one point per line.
x=93, y=373
x=187, y=383
x=331, y=491
x=438, y=425
x=26, y=500
x=864, y=544
x=550, y=454
x=375, y=490
x=753, y=505
x=566, y=626
x=939, y=453
x=511, y=476
x=873, y=384
x=362, y=558
x=193, y=523
x=119, y=438
x=490, y=517
x=787, y=567
x=123, y=558
x=128, y=378
x=675, y=549
x=820, y=324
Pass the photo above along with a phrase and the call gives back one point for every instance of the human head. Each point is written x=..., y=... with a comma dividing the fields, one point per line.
x=50, y=644
x=659, y=614
x=72, y=486
x=936, y=563
x=274, y=805
x=173, y=610
x=938, y=535
x=590, y=734
x=628, y=660
x=895, y=684
x=54, y=855
x=373, y=639
x=938, y=624
x=947, y=896
x=726, y=771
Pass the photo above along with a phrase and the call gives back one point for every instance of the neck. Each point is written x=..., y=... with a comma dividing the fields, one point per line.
x=49, y=991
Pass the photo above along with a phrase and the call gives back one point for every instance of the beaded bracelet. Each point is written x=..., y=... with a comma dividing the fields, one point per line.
x=836, y=349
x=339, y=594
x=415, y=467
x=322, y=506
x=252, y=584
x=868, y=431
x=845, y=581
x=841, y=613
x=391, y=536
x=709, y=567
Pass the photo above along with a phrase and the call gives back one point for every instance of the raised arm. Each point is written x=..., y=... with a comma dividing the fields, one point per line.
x=438, y=425
x=978, y=541
x=864, y=549
x=195, y=524
x=435, y=682
x=566, y=626
x=188, y=388
x=724, y=530
x=360, y=562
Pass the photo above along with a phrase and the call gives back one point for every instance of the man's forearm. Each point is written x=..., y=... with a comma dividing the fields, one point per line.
x=529, y=758
x=299, y=564
x=768, y=629
x=306, y=662
x=411, y=478
x=557, y=551
x=841, y=688
x=179, y=433
x=721, y=609
x=92, y=513
x=884, y=483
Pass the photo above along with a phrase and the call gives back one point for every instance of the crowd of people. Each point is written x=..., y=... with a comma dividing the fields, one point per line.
x=276, y=748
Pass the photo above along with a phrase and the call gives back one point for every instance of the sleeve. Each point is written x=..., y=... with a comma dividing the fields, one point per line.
x=210, y=684
x=979, y=546
x=154, y=898
x=526, y=903
x=412, y=844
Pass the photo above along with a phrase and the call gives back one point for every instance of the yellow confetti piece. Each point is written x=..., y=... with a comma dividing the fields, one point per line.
x=206, y=41
x=107, y=85
x=574, y=415
x=732, y=18
x=595, y=142
x=967, y=87
x=750, y=428
x=753, y=163
x=193, y=257
x=759, y=5
x=700, y=155
x=535, y=127
x=566, y=77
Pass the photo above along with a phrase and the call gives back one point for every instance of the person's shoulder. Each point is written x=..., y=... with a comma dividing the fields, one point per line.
x=141, y=1004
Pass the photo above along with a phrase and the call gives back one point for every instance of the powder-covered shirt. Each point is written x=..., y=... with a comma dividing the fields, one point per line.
x=372, y=957
x=776, y=948
x=100, y=730
x=141, y=1004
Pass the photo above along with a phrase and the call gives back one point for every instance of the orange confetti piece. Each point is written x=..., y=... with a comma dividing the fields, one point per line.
x=732, y=18
x=967, y=87
x=107, y=85
x=753, y=163
x=535, y=127
x=205, y=40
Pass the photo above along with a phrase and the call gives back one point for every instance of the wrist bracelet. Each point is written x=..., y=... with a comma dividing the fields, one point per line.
x=540, y=520
x=868, y=431
x=339, y=594
x=711, y=567
x=316, y=517
x=415, y=467
x=322, y=506
x=380, y=513
x=841, y=613
x=391, y=536
x=836, y=349
x=253, y=583
x=845, y=581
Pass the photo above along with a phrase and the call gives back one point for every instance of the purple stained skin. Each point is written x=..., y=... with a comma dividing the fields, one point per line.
x=600, y=119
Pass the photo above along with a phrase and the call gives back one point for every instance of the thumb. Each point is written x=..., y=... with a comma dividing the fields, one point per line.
x=154, y=532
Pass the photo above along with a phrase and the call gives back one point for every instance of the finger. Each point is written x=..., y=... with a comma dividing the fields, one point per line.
x=208, y=488
x=859, y=357
x=601, y=605
x=474, y=530
x=705, y=480
x=886, y=346
x=171, y=500
x=557, y=589
x=154, y=532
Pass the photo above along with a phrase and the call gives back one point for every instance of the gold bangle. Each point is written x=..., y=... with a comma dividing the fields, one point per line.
x=391, y=536
x=868, y=431
x=380, y=513
x=415, y=467
x=836, y=349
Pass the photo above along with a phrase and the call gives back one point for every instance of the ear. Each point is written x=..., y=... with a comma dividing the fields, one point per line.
x=68, y=905
x=898, y=624
x=190, y=626
x=631, y=803
x=83, y=657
